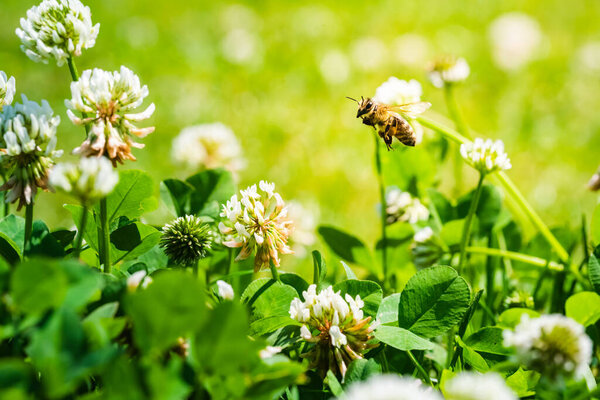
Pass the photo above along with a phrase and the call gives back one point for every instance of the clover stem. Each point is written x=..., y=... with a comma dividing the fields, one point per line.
x=419, y=368
x=469, y=221
x=75, y=78
x=79, y=237
x=379, y=171
x=512, y=255
x=104, y=237
x=28, y=226
x=274, y=272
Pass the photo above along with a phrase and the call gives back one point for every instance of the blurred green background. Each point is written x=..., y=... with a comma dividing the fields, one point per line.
x=278, y=72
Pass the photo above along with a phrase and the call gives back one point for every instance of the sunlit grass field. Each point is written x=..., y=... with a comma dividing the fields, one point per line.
x=278, y=74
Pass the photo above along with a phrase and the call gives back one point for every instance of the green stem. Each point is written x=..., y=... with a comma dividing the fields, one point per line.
x=73, y=69
x=490, y=276
x=274, y=272
x=419, y=368
x=80, y=231
x=379, y=171
x=538, y=262
x=469, y=221
x=104, y=237
x=464, y=324
x=28, y=226
x=509, y=186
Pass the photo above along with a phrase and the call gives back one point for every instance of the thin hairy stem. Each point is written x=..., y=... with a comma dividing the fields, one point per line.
x=28, y=226
x=104, y=237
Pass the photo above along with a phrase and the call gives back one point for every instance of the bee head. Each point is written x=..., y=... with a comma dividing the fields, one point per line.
x=365, y=106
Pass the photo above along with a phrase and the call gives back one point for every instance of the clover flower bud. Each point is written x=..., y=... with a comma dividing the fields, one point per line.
x=89, y=180
x=401, y=206
x=554, y=345
x=27, y=147
x=426, y=249
x=138, y=278
x=225, y=290
x=341, y=333
x=108, y=100
x=185, y=240
x=258, y=222
x=57, y=29
x=389, y=387
x=486, y=156
x=7, y=89
x=208, y=146
x=475, y=386
x=448, y=70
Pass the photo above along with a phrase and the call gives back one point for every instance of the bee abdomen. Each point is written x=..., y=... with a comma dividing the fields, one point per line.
x=403, y=131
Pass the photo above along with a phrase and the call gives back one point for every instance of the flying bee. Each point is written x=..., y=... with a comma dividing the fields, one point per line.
x=390, y=121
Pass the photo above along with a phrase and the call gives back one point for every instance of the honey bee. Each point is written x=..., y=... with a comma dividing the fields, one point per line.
x=390, y=121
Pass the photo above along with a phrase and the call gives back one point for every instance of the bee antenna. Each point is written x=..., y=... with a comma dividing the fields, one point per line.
x=352, y=99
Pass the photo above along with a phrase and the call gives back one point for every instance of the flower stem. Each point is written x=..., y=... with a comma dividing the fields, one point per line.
x=525, y=258
x=274, y=272
x=419, y=368
x=73, y=69
x=79, y=237
x=469, y=221
x=379, y=171
x=509, y=186
x=104, y=237
x=28, y=226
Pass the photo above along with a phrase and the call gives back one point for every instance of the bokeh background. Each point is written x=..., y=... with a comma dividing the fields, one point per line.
x=277, y=73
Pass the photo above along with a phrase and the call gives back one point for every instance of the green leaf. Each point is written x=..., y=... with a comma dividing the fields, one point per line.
x=512, y=317
x=132, y=240
x=594, y=272
x=90, y=234
x=9, y=250
x=270, y=324
x=388, y=310
x=43, y=243
x=433, y=300
x=488, y=208
x=522, y=382
x=442, y=206
x=37, y=286
x=473, y=358
x=346, y=246
x=360, y=370
x=595, y=228
x=176, y=195
x=295, y=281
x=213, y=187
x=13, y=227
x=370, y=292
x=132, y=196
x=172, y=306
x=583, y=307
x=267, y=298
x=320, y=267
x=487, y=340
x=349, y=273
x=452, y=231
x=334, y=384
x=401, y=339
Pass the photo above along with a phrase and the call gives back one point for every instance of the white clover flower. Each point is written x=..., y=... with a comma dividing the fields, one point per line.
x=553, y=345
x=208, y=146
x=423, y=235
x=401, y=206
x=515, y=39
x=28, y=144
x=225, y=290
x=138, y=278
x=474, y=386
x=448, y=70
x=486, y=156
x=341, y=330
x=396, y=91
x=108, y=100
x=390, y=387
x=7, y=89
x=269, y=351
x=258, y=222
x=90, y=180
x=57, y=29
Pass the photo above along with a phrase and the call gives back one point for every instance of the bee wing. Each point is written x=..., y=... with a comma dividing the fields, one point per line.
x=412, y=109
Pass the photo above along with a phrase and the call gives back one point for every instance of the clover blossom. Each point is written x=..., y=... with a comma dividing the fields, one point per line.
x=515, y=38
x=401, y=206
x=426, y=249
x=57, y=29
x=108, y=99
x=27, y=148
x=553, y=345
x=486, y=156
x=257, y=222
x=89, y=180
x=397, y=91
x=209, y=146
x=186, y=240
x=474, y=386
x=389, y=387
x=7, y=89
x=336, y=325
x=225, y=290
x=448, y=70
